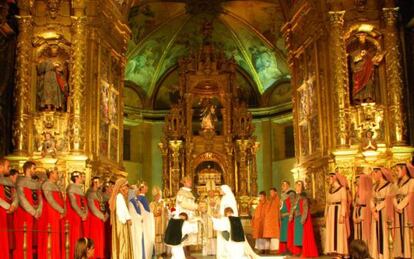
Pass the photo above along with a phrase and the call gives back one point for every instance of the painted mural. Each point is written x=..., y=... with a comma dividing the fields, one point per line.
x=249, y=37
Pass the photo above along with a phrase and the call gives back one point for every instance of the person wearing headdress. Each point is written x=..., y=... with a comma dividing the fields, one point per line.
x=261, y=244
x=98, y=215
x=137, y=234
x=304, y=238
x=287, y=198
x=8, y=204
x=271, y=224
x=120, y=221
x=335, y=216
x=77, y=210
x=185, y=202
x=28, y=213
x=148, y=227
x=227, y=201
x=178, y=230
x=160, y=212
x=107, y=191
x=362, y=213
x=53, y=212
x=382, y=212
x=403, y=202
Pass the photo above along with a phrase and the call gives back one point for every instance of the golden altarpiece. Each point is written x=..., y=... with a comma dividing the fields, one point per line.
x=348, y=89
x=208, y=133
x=69, y=86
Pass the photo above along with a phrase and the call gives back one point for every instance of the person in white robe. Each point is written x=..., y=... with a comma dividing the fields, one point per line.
x=135, y=210
x=174, y=239
x=185, y=202
x=148, y=224
x=229, y=201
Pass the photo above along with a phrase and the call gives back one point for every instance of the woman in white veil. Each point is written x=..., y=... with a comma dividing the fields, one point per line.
x=228, y=200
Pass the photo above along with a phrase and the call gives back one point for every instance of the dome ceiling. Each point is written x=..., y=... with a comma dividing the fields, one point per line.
x=163, y=31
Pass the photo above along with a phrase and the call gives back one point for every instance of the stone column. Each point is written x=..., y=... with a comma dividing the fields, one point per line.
x=23, y=80
x=339, y=84
x=77, y=80
x=395, y=85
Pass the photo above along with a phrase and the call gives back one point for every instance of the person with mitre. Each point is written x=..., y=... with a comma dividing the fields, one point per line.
x=97, y=217
x=271, y=224
x=77, y=210
x=28, y=213
x=262, y=244
x=51, y=220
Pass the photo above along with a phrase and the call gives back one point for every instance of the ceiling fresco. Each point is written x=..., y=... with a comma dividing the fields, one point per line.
x=163, y=31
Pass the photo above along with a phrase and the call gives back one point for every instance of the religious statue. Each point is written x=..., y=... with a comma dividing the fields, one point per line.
x=208, y=117
x=368, y=142
x=48, y=147
x=52, y=85
x=363, y=76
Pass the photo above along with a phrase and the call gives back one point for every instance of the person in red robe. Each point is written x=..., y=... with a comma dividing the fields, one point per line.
x=97, y=217
x=258, y=223
x=8, y=204
x=28, y=213
x=12, y=195
x=77, y=210
x=271, y=225
x=107, y=191
x=51, y=219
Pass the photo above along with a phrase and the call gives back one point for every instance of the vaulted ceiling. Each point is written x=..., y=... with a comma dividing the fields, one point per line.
x=163, y=31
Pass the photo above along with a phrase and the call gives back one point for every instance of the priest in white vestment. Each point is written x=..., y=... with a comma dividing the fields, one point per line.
x=185, y=202
x=135, y=210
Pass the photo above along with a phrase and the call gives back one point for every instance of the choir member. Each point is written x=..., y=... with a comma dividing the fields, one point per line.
x=85, y=248
x=185, y=202
x=160, y=212
x=178, y=230
x=107, y=191
x=271, y=224
x=148, y=227
x=403, y=203
x=304, y=237
x=51, y=219
x=362, y=212
x=335, y=216
x=97, y=217
x=261, y=244
x=30, y=209
x=120, y=221
x=287, y=196
x=382, y=211
x=135, y=211
x=209, y=210
x=8, y=204
x=77, y=210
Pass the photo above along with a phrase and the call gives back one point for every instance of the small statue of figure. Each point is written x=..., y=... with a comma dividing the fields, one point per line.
x=52, y=85
x=48, y=147
x=368, y=142
x=208, y=117
x=363, y=75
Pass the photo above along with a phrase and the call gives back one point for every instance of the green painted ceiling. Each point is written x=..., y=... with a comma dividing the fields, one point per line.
x=164, y=31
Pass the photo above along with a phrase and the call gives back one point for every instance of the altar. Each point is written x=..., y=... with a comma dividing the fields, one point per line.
x=208, y=134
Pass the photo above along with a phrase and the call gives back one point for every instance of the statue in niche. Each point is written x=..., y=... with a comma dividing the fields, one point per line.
x=52, y=87
x=208, y=117
x=48, y=147
x=368, y=141
x=363, y=66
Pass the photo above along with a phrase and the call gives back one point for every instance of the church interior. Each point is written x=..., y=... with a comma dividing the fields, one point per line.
x=246, y=93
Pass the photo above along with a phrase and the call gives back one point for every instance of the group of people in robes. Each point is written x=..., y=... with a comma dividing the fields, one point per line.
x=381, y=208
x=38, y=218
x=283, y=225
